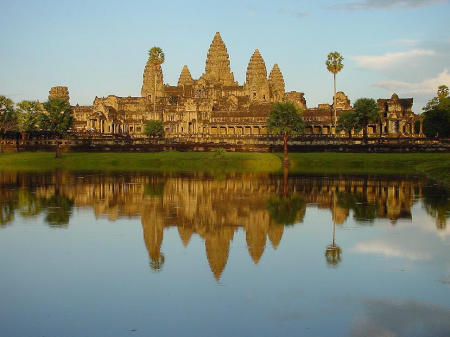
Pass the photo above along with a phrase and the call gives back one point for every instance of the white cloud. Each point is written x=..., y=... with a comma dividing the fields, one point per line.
x=390, y=60
x=406, y=42
x=384, y=4
x=427, y=86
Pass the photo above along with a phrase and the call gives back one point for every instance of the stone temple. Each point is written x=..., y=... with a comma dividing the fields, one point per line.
x=215, y=107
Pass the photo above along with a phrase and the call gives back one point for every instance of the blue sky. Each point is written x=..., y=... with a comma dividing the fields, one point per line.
x=99, y=48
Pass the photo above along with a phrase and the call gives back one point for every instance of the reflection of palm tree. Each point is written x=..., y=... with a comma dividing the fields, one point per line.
x=333, y=251
x=333, y=255
x=156, y=262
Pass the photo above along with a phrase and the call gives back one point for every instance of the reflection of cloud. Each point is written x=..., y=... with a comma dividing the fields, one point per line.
x=389, y=249
x=384, y=4
x=390, y=60
x=427, y=86
x=389, y=318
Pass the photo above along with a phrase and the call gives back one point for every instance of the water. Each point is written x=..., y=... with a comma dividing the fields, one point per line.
x=232, y=255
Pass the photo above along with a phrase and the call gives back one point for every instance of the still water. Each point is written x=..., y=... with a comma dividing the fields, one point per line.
x=234, y=255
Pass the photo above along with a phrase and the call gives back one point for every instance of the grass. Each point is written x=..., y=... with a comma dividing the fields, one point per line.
x=432, y=165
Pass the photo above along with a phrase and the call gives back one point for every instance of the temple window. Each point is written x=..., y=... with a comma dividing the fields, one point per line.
x=138, y=129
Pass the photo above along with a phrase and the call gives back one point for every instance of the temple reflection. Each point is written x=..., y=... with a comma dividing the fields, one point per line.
x=214, y=209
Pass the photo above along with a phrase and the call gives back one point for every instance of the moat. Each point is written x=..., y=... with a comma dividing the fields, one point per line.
x=167, y=254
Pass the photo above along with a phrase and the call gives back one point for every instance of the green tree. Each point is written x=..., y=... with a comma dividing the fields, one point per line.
x=57, y=119
x=28, y=114
x=334, y=65
x=156, y=57
x=285, y=119
x=8, y=116
x=366, y=111
x=347, y=122
x=436, y=116
x=154, y=128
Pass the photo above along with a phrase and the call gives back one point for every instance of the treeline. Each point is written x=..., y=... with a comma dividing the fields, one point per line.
x=53, y=117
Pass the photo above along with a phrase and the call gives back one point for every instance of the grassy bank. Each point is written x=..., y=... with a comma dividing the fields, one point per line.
x=433, y=165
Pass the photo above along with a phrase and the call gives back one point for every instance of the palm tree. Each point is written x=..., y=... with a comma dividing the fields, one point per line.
x=334, y=65
x=156, y=58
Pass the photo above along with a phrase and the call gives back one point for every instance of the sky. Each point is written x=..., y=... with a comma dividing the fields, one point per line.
x=99, y=48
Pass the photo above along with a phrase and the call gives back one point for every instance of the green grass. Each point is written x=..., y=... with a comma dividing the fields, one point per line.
x=433, y=165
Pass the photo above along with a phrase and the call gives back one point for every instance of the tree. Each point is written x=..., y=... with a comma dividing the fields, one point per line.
x=442, y=93
x=28, y=114
x=285, y=119
x=334, y=65
x=8, y=116
x=57, y=119
x=156, y=58
x=347, y=122
x=366, y=111
x=436, y=116
x=154, y=128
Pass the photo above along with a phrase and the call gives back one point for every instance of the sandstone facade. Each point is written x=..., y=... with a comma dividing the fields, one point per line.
x=215, y=106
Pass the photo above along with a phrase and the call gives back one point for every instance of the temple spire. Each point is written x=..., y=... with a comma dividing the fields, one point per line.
x=149, y=82
x=217, y=69
x=276, y=82
x=185, y=77
x=257, y=85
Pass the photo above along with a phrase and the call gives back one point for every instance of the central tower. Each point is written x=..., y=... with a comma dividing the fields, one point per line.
x=217, y=68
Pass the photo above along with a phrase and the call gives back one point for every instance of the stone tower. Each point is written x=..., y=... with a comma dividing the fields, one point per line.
x=185, y=77
x=217, y=68
x=148, y=85
x=59, y=92
x=342, y=101
x=276, y=83
x=257, y=85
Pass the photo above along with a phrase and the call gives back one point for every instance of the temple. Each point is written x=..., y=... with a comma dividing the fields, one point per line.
x=216, y=108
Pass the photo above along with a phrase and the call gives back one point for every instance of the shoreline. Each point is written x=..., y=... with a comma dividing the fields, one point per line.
x=435, y=166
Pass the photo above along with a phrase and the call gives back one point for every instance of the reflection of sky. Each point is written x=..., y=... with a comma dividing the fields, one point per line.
x=93, y=278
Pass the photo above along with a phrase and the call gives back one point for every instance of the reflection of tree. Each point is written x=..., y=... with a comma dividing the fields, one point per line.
x=8, y=205
x=286, y=210
x=362, y=209
x=436, y=201
x=29, y=205
x=58, y=207
x=59, y=210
